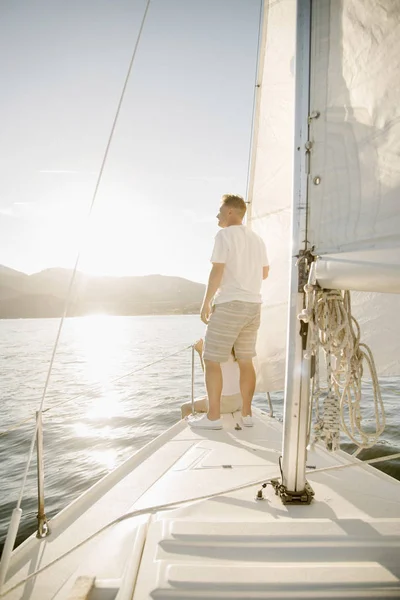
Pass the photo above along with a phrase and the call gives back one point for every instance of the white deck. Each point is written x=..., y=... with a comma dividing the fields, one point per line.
x=346, y=544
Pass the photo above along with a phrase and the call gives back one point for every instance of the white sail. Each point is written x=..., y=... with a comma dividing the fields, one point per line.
x=354, y=216
x=354, y=213
x=271, y=185
x=354, y=184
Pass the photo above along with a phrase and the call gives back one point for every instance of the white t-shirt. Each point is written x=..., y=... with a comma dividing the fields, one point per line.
x=244, y=254
x=230, y=377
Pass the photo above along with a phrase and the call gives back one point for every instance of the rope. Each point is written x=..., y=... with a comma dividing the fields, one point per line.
x=370, y=461
x=83, y=394
x=16, y=425
x=333, y=329
x=170, y=505
x=120, y=378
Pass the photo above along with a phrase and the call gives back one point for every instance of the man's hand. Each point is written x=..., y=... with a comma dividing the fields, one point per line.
x=214, y=281
x=199, y=346
x=205, y=312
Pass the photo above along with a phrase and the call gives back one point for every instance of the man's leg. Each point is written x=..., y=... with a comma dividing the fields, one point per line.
x=200, y=406
x=221, y=333
x=245, y=348
x=247, y=384
x=213, y=379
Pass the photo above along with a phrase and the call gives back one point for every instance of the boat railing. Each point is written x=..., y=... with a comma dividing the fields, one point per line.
x=43, y=528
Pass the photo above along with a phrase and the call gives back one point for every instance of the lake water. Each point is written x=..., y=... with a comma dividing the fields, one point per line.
x=96, y=420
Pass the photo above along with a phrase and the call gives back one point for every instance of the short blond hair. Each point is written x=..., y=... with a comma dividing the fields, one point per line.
x=236, y=202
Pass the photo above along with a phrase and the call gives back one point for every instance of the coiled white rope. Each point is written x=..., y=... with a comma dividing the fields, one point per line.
x=333, y=329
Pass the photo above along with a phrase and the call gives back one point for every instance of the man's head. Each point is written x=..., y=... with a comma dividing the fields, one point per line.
x=232, y=210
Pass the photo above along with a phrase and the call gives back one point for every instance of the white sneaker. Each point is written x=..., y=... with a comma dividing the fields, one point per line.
x=192, y=416
x=205, y=423
x=247, y=421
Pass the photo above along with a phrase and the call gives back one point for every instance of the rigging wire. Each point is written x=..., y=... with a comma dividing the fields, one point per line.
x=256, y=93
x=93, y=388
x=71, y=283
x=16, y=515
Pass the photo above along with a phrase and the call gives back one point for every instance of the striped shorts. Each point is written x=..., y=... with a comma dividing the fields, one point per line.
x=232, y=325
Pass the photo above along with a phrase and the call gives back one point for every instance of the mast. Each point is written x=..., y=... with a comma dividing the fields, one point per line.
x=297, y=377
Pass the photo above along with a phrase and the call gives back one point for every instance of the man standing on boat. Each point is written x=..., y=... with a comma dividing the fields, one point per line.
x=239, y=264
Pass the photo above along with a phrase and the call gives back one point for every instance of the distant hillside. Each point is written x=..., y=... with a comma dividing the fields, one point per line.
x=43, y=294
x=7, y=292
x=31, y=307
x=12, y=283
x=6, y=271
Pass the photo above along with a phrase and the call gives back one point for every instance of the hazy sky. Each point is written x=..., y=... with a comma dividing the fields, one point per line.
x=182, y=139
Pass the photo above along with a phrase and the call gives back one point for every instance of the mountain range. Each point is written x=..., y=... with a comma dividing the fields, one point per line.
x=43, y=294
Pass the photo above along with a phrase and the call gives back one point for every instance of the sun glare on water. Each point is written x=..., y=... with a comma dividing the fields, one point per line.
x=101, y=341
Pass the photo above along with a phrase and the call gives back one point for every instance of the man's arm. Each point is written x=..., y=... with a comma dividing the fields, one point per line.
x=199, y=349
x=265, y=272
x=214, y=282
